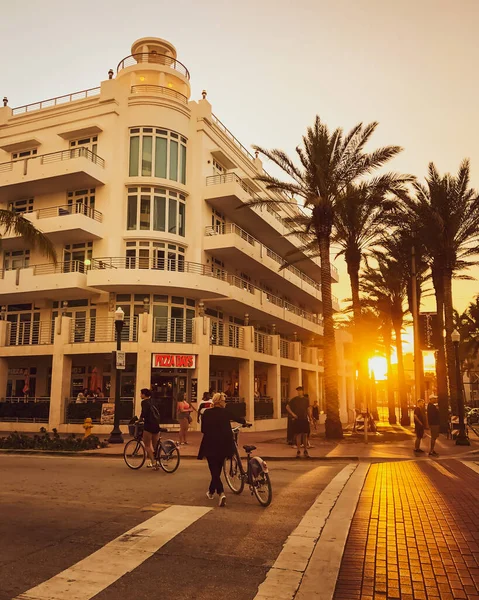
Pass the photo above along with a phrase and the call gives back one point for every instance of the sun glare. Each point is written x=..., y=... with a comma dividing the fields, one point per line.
x=378, y=367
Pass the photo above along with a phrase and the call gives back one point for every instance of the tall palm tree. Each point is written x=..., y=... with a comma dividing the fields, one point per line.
x=361, y=214
x=448, y=210
x=12, y=222
x=387, y=285
x=329, y=162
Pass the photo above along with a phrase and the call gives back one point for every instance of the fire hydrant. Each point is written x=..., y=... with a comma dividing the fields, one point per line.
x=87, y=426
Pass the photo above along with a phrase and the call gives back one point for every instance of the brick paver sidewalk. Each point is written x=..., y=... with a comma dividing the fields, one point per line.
x=415, y=534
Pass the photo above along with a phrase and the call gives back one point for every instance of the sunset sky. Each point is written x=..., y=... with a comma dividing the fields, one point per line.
x=269, y=67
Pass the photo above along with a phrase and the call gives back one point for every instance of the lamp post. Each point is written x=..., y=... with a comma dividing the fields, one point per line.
x=461, y=439
x=115, y=435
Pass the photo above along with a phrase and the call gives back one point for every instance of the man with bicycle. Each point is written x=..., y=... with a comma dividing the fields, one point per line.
x=300, y=411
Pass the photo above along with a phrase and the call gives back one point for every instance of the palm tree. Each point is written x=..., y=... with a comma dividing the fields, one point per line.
x=468, y=325
x=329, y=163
x=386, y=286
x=447, y=210
x=361, y=214
x=12, y=222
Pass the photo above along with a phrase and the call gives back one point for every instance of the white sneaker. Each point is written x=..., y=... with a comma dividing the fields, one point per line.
x=150, y=465
x=210, y=496
x=222, y=500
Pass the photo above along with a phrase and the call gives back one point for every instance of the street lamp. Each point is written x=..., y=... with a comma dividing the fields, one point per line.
x=461, y=439
x=115, y=435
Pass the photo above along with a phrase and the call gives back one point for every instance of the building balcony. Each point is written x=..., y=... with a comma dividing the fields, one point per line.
x=233, y=244
x=44, y=281
x=159, y=90
x=124, y=273
x=153, y=60
x=66, y=224
x=76, y=168
x=30, y=333
x=102, y=329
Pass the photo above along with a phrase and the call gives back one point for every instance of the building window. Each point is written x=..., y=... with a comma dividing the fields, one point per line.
x=75, y=256
x=157, y=153
x=21, y=207
x=218, y=168
x=24, y=154
x=90, y=143
x=18, y=259
x=154, y=255
x=84, y=197
x=156, y=209
x=218, y=221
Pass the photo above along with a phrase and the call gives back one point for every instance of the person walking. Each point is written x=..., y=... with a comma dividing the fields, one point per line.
x=299, y=409
x=183, y=411
x=434, y=421
x=315, y=413
x=151, y=430
x=217, y=444
x=419, y=425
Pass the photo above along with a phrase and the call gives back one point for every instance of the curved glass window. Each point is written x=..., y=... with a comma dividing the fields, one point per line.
x=155, y=209
x=157, y=153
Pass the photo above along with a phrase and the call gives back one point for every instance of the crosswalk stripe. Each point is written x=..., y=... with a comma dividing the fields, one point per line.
x=96, y=572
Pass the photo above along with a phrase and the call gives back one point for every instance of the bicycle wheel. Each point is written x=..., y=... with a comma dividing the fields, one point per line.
x=168, y=456
x=234, y=474
x=134, y=454
x=262, y=488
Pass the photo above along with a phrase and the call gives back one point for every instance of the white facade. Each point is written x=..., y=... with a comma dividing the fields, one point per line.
x=141, y=189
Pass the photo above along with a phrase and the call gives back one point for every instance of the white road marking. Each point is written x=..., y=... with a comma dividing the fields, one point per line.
x=285, y=577
x=95, y=573
x=472, y=465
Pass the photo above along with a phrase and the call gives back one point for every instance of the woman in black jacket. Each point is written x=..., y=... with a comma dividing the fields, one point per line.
x=217, y=444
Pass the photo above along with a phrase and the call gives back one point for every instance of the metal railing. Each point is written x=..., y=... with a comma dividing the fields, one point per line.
x=82, y=95
x=52, y=157
x=29, y=333
x=145, y=88
x=102, y=329
x=178, y=331
x=286, y=349
x=153, y=58
x=227, y=334
x=77, y=412
x=25, y=410
x=229, y=135
x=161, y=264
x=79, y=208
x=263, y=407
x=263, y=343
x=69, y=266
x=230, y=178
x=227, y=228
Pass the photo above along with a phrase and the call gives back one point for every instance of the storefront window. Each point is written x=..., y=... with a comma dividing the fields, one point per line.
x=159, y=148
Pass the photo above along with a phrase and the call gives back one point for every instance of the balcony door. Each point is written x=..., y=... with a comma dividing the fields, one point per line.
x=74, y=257
x=24, y=328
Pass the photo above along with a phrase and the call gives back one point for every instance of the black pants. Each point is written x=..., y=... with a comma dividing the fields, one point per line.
x=216, y=464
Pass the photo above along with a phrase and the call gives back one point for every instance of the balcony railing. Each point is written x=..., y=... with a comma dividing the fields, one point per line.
x=153, y=58
x=234, y=139
x=102, y=329
x=69, y=266
x=286, y=349
x=159, y=89
x=177, y=331
x=227, y=228
x=82, y=95
x=263, y=407
x=161, y=264
x=30, y=333
x=55, y=157
x=263, y=343
x=227, y=334
x=69, y=209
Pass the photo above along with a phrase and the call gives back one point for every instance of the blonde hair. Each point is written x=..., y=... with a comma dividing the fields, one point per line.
x=219, y=399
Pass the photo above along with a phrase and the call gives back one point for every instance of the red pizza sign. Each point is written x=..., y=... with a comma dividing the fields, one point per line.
x=174, y=361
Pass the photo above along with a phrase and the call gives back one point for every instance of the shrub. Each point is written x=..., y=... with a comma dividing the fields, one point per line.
x=53, y=441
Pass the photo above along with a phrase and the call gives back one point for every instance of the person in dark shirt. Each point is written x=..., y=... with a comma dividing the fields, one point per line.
x=434, y=421
x=419, y=425
x=298, y=408
x=151, y=428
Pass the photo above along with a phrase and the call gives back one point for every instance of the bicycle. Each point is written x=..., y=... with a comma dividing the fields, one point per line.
x=166, y=452
x=256, y=474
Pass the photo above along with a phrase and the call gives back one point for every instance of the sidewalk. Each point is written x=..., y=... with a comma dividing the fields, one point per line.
x=414, y=535
x=392, y=443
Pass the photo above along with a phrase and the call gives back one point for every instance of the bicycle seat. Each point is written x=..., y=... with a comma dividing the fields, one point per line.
x=249, y=448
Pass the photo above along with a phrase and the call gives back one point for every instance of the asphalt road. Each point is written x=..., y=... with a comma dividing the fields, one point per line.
x=57, y=511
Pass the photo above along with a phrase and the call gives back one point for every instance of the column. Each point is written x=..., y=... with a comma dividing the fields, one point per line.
x=3, y=376
x=61, y=372
x=274, y=379
x=201, y=329
x=246, y=386
x=143, y=358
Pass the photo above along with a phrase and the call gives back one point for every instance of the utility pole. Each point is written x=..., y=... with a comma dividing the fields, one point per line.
x=415, y=318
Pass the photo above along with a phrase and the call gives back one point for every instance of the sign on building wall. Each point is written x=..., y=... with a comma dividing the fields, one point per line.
x=120, y=359
x=174, y=361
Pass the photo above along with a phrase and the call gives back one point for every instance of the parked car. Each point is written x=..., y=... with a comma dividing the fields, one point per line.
x=473, y=416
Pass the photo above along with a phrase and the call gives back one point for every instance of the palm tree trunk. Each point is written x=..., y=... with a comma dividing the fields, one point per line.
x=390, y=389
x=441, y=369
x=405, y=420
x=333, y=427
x=449, y=326
x=361, y=362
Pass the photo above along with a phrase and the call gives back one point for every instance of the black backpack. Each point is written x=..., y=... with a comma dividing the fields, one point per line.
x=155, y=413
